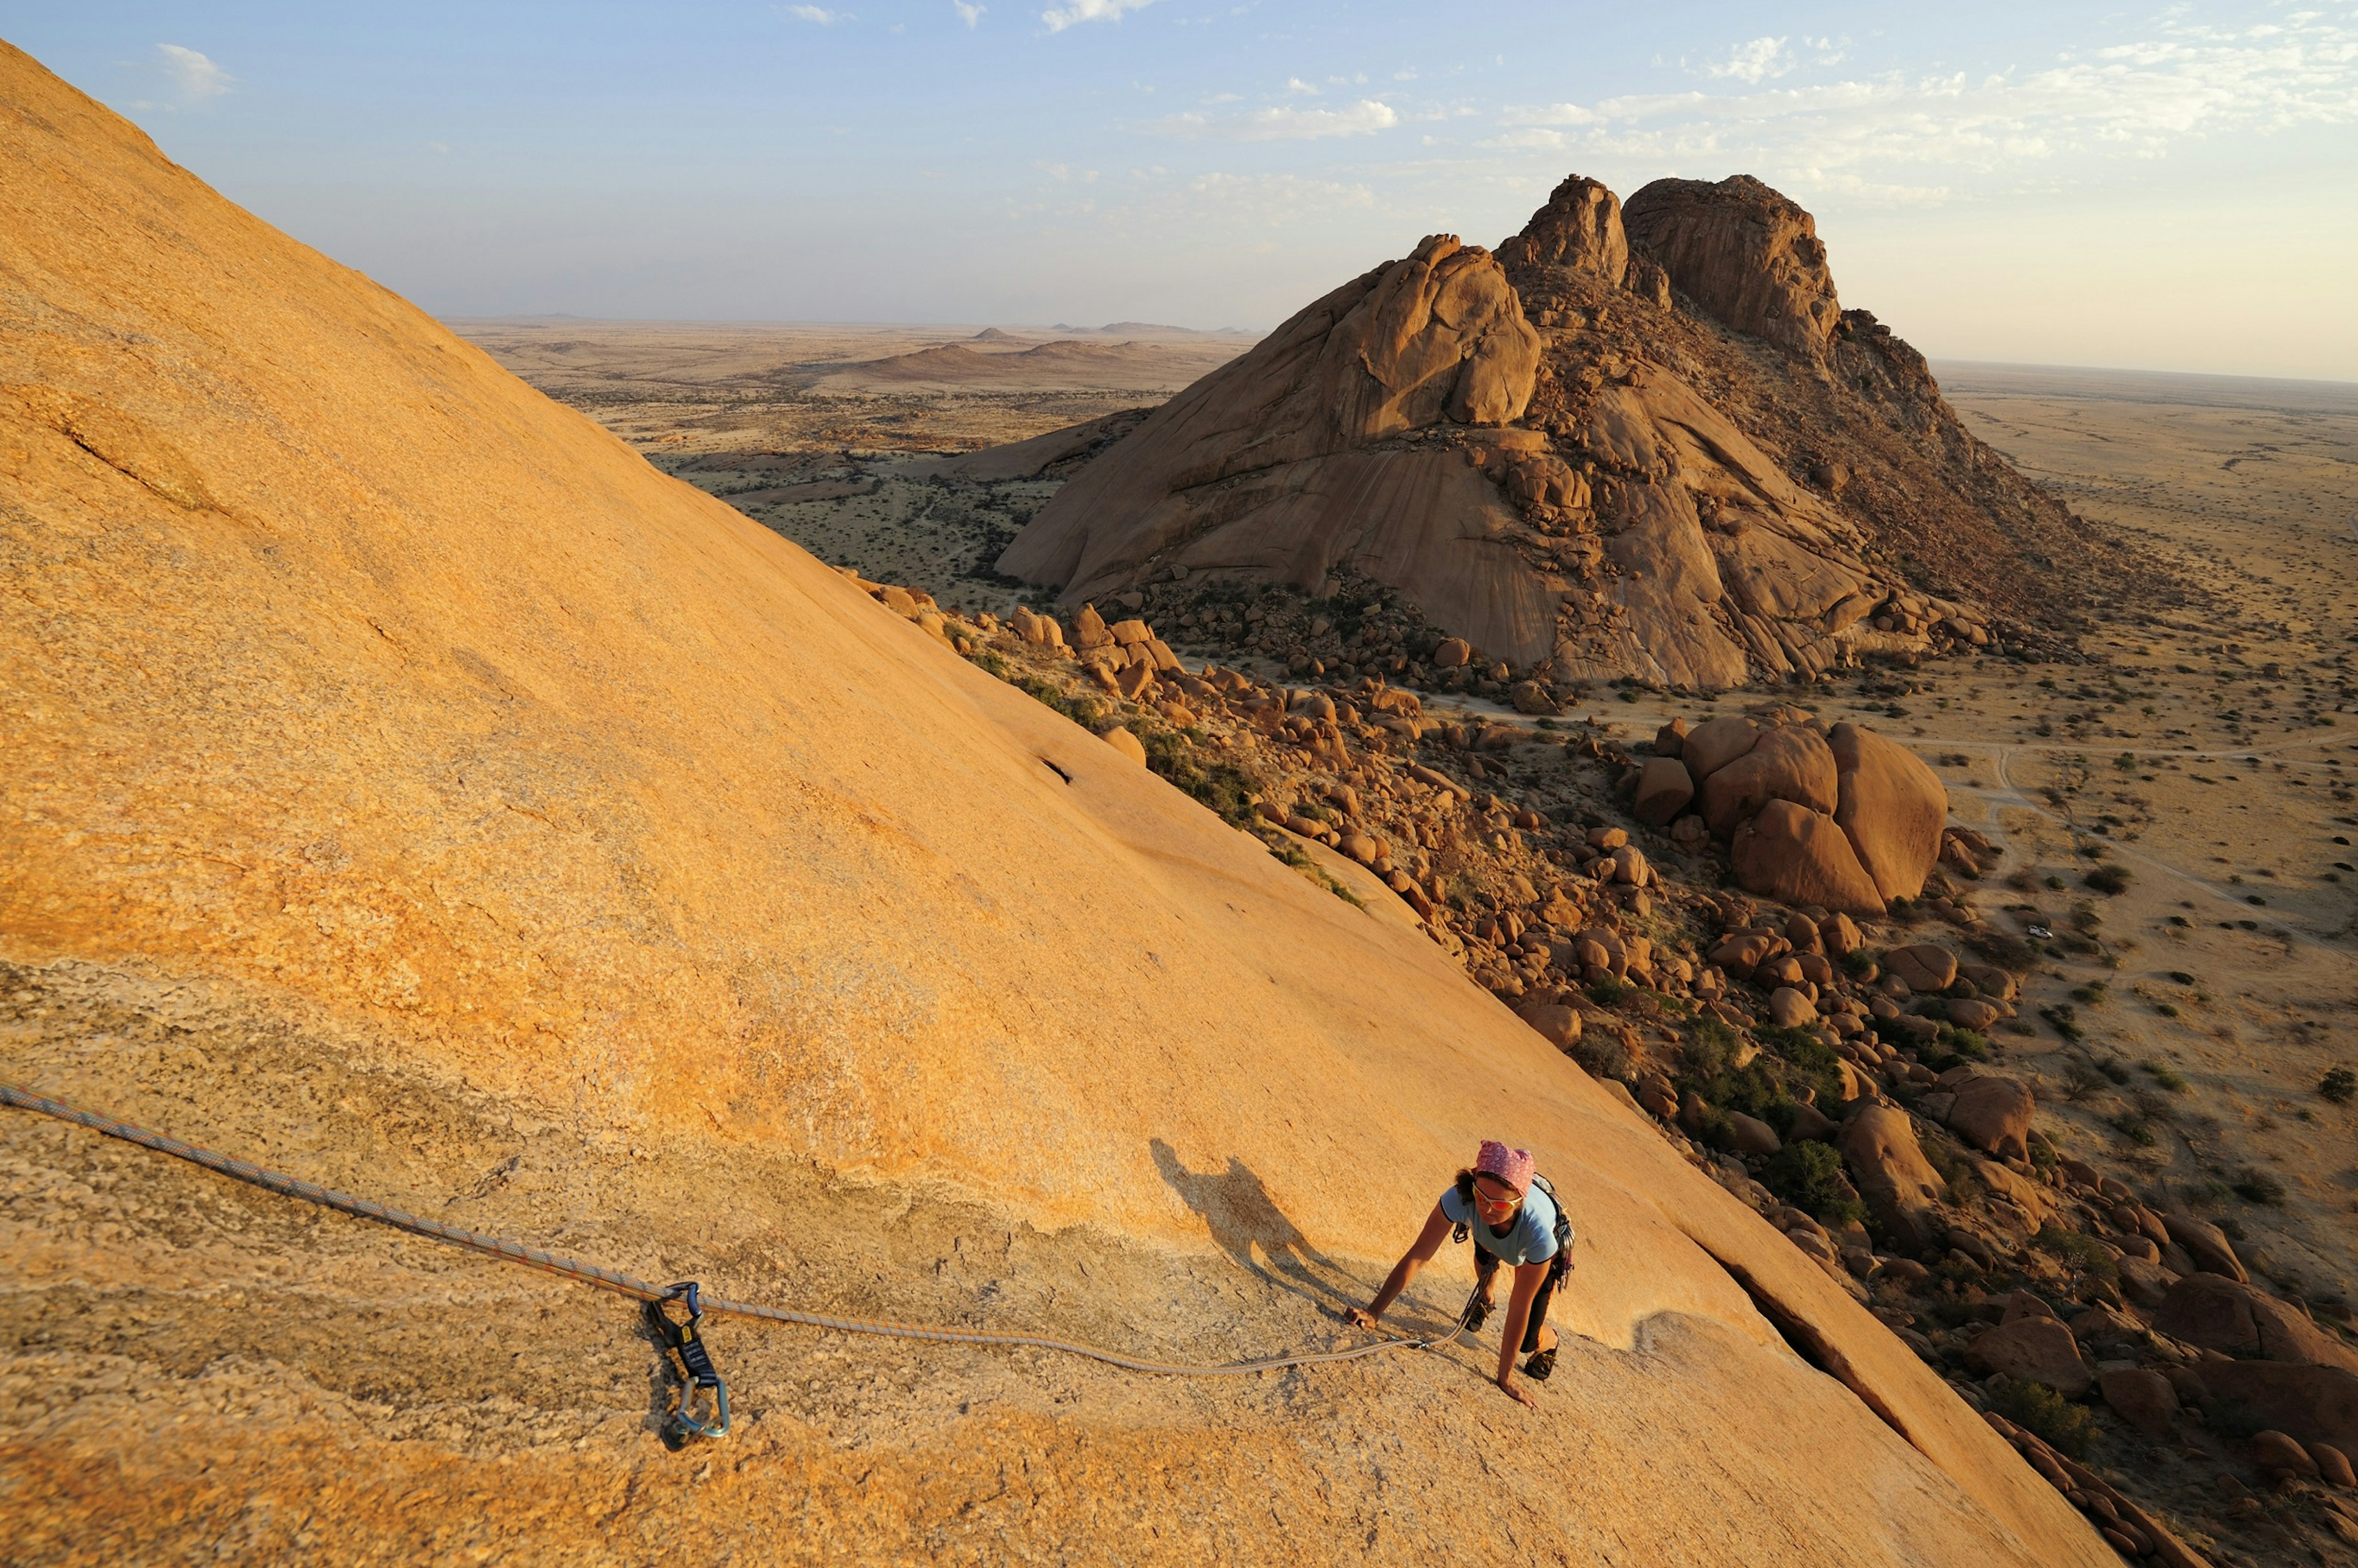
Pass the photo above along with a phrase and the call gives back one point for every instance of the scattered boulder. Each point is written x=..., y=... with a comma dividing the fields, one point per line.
x=2036, y=1349
x=2314, y=1404
x=1664, y=791
x=1791, y=762
x=1798, y=856
x=1671, y=740
x=2143, y=1398
x=1927, y=970
x=1750, y=1135
x=2332, y=1465
x=2206, y=1245
x=1559, y=1025
x=1809, y=1122
x=2279, y=1455
x=1716, y=742
x=1129, y=745
x=1788, y=1009
x=1892, y=807
x=1992, y=1113
x=1973, y=1014
x=2236, y=1318
x=2143, y=1282
x=2025, y=1303
x=1889, y=1169
x=1990, y=981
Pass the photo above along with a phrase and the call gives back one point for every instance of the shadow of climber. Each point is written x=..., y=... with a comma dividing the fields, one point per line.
x=1250, y=1227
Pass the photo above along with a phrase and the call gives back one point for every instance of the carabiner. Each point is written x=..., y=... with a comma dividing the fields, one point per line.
x=685, y=1342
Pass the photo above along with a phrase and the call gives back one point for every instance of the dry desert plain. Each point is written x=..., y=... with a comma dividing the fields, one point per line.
x=2207, y=747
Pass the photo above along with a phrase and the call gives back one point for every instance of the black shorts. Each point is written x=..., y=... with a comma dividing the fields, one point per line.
x=1486, y=1264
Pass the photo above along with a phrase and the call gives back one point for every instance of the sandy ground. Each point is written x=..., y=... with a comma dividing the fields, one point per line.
x=824, y=432
x=690, y=389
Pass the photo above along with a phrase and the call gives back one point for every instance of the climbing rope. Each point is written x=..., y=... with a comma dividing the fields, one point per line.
x=627, y=1285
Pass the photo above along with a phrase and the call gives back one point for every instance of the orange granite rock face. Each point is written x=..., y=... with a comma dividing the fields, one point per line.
x=409, y=788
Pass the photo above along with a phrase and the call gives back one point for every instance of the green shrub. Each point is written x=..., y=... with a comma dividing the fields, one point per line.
x=2084, y=1253
x=2164, y=1075
x=2255, y=1185
x=1807, y=1060
x=1858, y=960
x=2047, y=1416
x=1809, y=1175
x=2111, y=879
x=1707, y=1069
x=1084, y=711
x=1225, y=790
x=2339, y=1085
x=1608, y=992
x=1966, y=1043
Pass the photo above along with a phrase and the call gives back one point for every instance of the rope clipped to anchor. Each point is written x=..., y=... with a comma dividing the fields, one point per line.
x=682, y=1340
x=685, y=1341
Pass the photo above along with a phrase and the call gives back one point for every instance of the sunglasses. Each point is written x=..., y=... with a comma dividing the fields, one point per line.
x=1489, y=1200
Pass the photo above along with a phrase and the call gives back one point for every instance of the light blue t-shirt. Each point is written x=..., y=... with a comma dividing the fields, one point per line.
x=1529, y=1240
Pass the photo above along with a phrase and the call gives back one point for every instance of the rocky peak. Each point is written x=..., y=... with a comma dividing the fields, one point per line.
x=1578, y=230
x=1749, y=257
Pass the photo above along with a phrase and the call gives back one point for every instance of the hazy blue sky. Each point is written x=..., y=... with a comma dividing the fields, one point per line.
x=2169, y=186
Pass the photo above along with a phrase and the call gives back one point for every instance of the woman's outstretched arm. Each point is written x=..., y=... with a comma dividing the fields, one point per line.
x=1420, y=1253
x=1529, y=1278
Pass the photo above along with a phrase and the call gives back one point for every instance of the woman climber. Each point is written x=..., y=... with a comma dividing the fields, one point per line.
x=1513, y=1215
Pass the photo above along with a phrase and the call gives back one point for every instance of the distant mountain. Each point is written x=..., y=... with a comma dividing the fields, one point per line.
x=1653, y=446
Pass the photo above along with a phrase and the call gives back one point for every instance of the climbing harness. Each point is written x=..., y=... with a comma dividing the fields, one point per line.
x=682, y=1340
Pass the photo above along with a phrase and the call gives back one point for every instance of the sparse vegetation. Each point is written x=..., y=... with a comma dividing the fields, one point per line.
x=2084, y=1253
x=2164, y=1075
x=1809, y=1175
x=2065, y=1019
x=1223, y=788
x=2255, y=1185
x=2339, y=1085
x=2063, y=1426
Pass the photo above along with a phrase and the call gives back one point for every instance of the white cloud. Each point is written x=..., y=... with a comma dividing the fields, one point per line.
x=1295, y=85
x=819, y=14
x=195, y=76
x=1919, y=139
x=1271, y=200
x=1284, y=124
x=1090, y=11
x=1761, y=58
x=969, y=14
x=1550, y=114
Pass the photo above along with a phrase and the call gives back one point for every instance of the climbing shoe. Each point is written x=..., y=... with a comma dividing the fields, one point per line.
x=1541, y=1363
x=1478, y=1313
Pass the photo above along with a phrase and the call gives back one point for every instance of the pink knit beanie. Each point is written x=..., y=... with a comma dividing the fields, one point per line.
x=1512, y=1166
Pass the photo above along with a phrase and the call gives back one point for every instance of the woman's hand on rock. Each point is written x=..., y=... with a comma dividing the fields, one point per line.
x=1361, y=1316
x=1517, y=1392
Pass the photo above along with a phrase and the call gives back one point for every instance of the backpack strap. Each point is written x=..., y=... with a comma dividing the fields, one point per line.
x=1560, y=1264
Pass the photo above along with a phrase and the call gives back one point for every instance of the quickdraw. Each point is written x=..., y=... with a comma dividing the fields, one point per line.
x=685, y=1341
